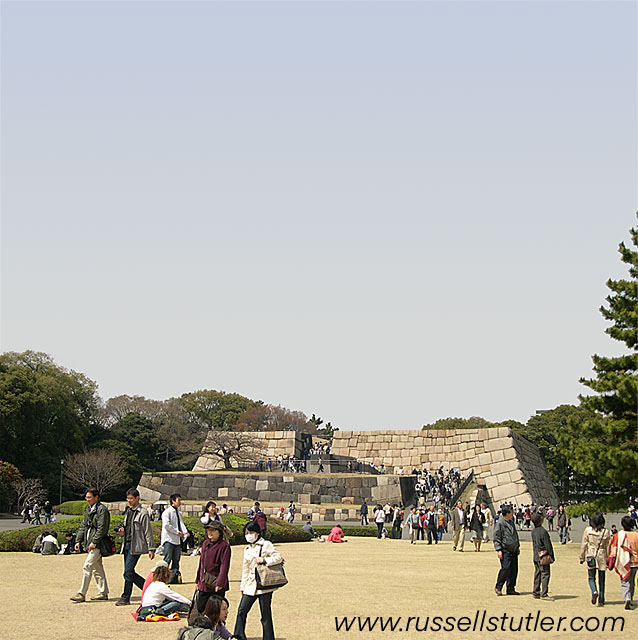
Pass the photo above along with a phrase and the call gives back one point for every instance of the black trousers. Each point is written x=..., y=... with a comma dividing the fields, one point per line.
x=509, y=571
x=265, y=606
x=203, y=596
x=432, y=536
x=396, y=531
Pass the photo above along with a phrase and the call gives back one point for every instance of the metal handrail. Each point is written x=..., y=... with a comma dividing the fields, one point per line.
x=464, y=485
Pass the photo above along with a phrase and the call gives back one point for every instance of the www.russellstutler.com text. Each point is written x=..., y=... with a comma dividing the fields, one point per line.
x=481, y=622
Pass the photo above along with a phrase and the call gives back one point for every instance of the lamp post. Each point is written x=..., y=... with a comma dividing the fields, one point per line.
x=61, y=469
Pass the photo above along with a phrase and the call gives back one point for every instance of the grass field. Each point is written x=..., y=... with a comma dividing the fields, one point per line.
x=365, y=577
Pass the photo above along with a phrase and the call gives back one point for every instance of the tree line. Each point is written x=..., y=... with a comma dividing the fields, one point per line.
x=53, y=422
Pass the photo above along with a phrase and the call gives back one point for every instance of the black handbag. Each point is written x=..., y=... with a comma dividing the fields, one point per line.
x=107, y=546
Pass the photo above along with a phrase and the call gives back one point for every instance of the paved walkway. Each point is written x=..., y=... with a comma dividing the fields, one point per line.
x=9, y=521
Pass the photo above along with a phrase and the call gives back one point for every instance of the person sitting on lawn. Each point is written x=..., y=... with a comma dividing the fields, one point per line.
x=159, y=595
x=336, y=535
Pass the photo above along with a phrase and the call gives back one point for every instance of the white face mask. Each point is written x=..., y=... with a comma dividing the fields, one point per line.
x=251, y=537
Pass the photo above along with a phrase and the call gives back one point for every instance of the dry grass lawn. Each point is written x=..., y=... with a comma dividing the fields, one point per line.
x=365, y=577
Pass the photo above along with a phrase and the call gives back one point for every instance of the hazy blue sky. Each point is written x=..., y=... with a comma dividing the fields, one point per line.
x=384, y=213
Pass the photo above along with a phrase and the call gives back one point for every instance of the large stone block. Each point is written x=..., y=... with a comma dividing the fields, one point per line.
x=506, y=465
x=261, y=485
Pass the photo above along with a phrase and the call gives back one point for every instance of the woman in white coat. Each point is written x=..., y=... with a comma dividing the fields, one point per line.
x=258, y=551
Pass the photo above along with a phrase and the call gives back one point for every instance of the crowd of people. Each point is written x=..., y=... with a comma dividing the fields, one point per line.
x=208, y=609
x=36, y=514
x=437, y=486
x=601, y=549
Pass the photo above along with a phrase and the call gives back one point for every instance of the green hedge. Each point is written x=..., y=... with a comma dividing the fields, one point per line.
x=277, y=530
x=23, y=539
x=72, y=508
x=364, y=532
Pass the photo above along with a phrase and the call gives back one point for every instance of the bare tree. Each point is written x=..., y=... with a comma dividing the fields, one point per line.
x=29, y=490
x=99, y=468
x=231, y=445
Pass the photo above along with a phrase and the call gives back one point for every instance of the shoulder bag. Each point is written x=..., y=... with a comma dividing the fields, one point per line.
x=270, y=576
x=591, y=560
x=544, y=558
x=209, y=580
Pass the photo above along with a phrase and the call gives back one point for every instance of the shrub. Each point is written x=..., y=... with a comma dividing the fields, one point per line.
x=276, y=531
x=23, y=539
x=72, y=507
x=365, y=532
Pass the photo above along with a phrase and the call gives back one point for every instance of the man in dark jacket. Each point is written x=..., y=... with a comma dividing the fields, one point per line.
x=508, y=548
x=433, y=524
x=138, y=539
x=94, y=528
x=541, y=542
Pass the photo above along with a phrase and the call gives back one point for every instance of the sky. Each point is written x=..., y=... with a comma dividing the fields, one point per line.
x=383, y=213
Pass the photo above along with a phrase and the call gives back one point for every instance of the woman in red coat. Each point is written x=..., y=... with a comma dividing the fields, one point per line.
x=336, y=535
x=215, y=560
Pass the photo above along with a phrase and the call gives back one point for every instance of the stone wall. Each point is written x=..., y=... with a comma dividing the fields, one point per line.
x=509, y=466
x=279, y=488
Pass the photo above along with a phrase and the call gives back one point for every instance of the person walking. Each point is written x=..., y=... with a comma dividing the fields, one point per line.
x=47, y=509
x=379, y=519
x=93, y=529
x=138, y=539
x=432, y=525
x=561, y=523
x=173, y=532
x=489, y=521
x=214, y=562
x=543, y=555
x=412, y=521
x=458, y=526
x=624, y=548
x=258, y=551
x=292, y=510
x=476, y=527
x=363, y=512
x=594, y=550
x=508, y=548
x=397, y=520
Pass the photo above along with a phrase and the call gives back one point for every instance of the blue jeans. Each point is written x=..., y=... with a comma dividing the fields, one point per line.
x=562, y=534
x=172, y=555
x=130, y=576
x=591, y=575
x=169, y=606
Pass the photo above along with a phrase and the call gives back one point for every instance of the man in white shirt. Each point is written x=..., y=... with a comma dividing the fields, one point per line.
x=173, y=532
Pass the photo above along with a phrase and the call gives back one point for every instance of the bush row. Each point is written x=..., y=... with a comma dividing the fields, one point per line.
x=23, y=539
x=365, y=532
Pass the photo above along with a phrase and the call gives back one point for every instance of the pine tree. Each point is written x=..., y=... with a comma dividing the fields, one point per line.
x=607, y=445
